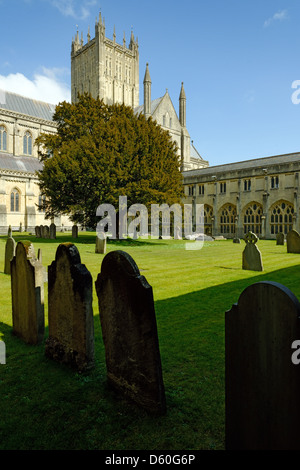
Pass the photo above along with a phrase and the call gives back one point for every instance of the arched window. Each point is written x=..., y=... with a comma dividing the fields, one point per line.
x=42, y=200
x=252, y=218
x=15, y=200
x=3, y=138
x=281, y=217
x=27, y=143
x=227, y=219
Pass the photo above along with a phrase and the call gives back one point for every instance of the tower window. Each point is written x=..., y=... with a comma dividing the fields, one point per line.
x=222, y=187
x=3, y=138
x=247, y=185
x=275, y=182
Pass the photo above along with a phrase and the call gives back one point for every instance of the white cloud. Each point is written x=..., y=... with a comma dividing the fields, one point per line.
x=75, y=8
x=279, y=16
x=45, y=86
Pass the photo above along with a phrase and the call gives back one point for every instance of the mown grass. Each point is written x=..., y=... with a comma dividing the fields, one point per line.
x=48, y=406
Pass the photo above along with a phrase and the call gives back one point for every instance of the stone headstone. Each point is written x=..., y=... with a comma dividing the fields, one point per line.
x=52, y=231
x=10, y=249
x=293, y=242
x=280, y=238
x=42, y=231
x=236, y=240
x=70, y=311
x=27, y=289
x=262, y=383
x=74, y=231
x=38, y=231
x=100, y=245
x=251, y=254
x=129, y=332
x=46, y=231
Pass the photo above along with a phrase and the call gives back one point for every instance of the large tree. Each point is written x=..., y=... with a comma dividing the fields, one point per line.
x=101, y=152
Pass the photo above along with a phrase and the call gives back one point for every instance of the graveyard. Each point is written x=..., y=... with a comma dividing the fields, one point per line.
x=47, y=405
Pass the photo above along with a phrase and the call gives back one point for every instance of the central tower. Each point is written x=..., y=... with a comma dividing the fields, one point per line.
x=104, y=68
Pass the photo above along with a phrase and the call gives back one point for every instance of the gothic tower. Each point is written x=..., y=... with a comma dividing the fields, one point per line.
x=147, y=93
x=105, y=68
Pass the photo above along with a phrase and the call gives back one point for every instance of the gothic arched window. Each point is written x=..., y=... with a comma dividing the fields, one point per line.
x=15, y=200
x=3, y=138
x=227, y=218
x=252, y=218
x=281, y=217
x=27, y=143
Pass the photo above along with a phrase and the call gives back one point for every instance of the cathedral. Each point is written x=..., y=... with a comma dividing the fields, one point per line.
x=260, y=195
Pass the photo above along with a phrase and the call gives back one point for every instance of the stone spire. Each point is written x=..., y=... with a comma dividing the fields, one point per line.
x=182, y=106
x=147, y=93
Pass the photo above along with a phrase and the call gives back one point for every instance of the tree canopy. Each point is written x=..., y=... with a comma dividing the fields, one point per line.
x=101, y=152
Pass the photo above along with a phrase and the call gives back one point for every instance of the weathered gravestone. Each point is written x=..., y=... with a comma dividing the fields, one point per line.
x=129, y=332
x=70, y=311
x=293, y=242
x=10, y=249
x=100, y=245
x=46, y=232
x=42, y=231
x=262, y=383
x=251, y=254
x=52, y=231
x=27, y=289
x=74, y=231
x=236, y=240
x=280, y=238
x=38, y=231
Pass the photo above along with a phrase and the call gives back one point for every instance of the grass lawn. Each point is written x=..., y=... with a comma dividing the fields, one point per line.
x=45, y=405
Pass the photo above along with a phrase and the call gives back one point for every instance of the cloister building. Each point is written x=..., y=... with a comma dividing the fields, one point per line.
x=259, y=195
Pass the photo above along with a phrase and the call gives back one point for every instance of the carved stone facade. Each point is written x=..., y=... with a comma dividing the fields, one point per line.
x=258, y=195
x=21, y=121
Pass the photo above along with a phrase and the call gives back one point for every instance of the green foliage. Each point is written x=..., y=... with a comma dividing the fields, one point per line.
x=102, y=152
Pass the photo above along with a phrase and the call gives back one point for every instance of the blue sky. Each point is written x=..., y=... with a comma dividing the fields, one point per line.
x=238, y=60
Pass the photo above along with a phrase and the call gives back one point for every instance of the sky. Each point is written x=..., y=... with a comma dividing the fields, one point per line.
x=238, y=60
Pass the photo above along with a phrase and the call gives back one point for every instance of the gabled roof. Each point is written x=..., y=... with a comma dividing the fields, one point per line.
x=28, y=106
x=154, y=104
x=24, y=164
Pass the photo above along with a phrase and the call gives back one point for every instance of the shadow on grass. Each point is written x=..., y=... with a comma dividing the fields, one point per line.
x=48, y=406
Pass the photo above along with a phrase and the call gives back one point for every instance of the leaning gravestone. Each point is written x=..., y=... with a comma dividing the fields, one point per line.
x=129, y=332
x=27, y=289
x=10, y=249
x=280, y=238
x=74, y=231
x=100, y=245
x=262, y=381
x=70, y=311
x=293, y=242
x=52, y=231
x=251, y=254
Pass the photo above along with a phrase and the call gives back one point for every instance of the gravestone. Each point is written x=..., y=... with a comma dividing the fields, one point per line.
x=236, y=240
x=262, y=381
x=27, y=289
x=280, y=238
x=46, y=232
x=10, y=249
x=251, y=254
x=52, y=231
x=38, y=231
x=100, y=245
x=129, y=331
x=74, y=231
x=42, y=231
x=70, y=312
x=293, y=242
